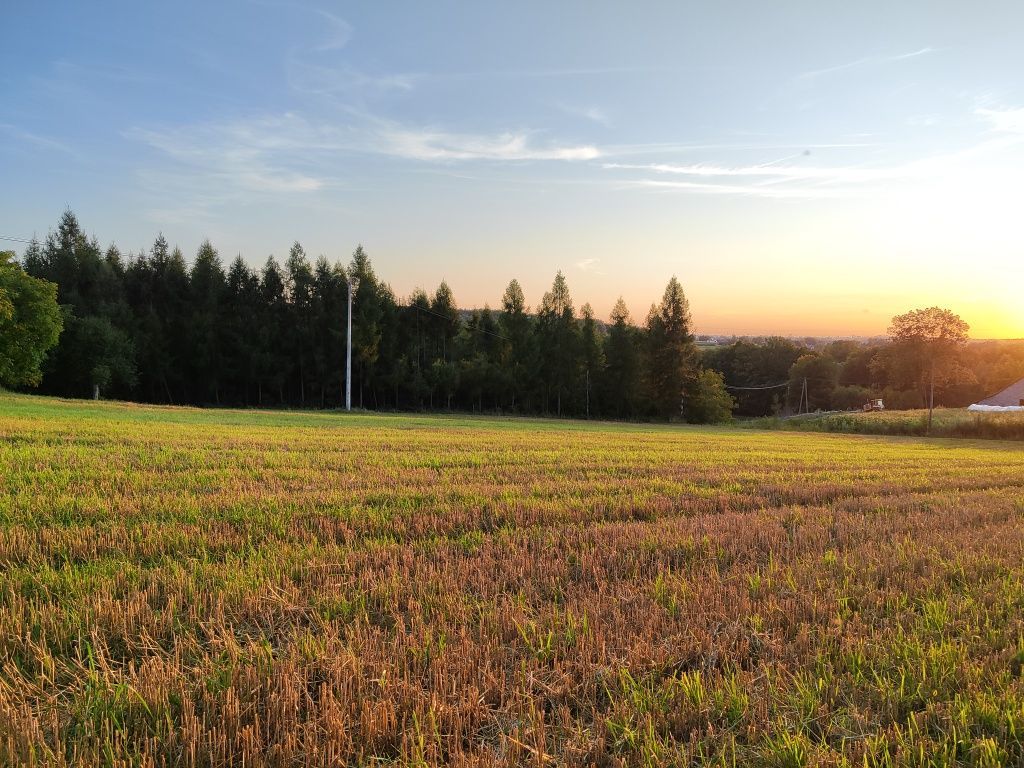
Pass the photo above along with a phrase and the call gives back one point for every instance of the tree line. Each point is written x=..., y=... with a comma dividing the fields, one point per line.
x=152, y=327
x=843, y=374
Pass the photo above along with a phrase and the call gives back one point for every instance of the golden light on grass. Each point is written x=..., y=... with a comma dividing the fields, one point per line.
x=187, y=587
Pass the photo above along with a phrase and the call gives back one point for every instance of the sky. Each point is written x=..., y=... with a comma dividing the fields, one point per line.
x=803, y=168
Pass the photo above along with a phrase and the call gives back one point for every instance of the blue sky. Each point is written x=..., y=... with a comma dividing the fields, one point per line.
x=802, y=167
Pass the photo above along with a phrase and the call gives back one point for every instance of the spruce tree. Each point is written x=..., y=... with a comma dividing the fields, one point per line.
x=274, y=364
x=672, y=354
x=622, y=361
x=592, y=360
x=299, y=289
x=370, y=304
x=559, y=348
x=241, y=331
x=517, y=352
x=206, y=324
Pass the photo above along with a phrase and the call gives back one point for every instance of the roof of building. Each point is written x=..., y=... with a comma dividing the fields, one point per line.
x=1012, y=395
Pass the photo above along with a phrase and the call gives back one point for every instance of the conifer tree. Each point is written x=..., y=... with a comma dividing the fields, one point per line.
x=206, y=324
x=241, y=330
x=559, y=353
x=592, y=360
x=369, y=307
x=622, y=360
x=517, y=351
x=672, y=354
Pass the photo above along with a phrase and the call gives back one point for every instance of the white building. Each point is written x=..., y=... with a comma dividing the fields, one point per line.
x=1010, y=399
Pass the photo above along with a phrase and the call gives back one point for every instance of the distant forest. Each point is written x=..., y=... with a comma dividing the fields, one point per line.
x=152, y=327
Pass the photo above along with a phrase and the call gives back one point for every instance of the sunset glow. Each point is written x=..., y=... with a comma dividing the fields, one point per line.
x=813, y=177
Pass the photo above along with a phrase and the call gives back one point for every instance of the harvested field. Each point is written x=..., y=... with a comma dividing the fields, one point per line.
x=212, y=588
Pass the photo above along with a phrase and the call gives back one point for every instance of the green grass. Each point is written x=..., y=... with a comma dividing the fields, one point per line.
x=946, y=422
x=200, y=587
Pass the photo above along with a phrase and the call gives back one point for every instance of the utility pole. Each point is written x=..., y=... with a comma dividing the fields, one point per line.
x=931, y=396
x=353, y=284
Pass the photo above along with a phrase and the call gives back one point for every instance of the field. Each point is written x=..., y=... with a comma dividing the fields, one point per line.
x=187, y=587
x=946, y=422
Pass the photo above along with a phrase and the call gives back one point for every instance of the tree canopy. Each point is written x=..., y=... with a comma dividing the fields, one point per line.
x=30, y=323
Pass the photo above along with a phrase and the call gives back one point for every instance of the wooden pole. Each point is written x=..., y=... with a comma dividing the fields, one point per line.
x=931, y=396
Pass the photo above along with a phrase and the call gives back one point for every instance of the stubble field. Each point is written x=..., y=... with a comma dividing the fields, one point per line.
x=212, y=588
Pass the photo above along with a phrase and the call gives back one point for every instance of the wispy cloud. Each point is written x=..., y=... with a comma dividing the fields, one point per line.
x=742, y=190
x=664, y=148
x=976, y=168
x=81, y=73
x=289, y=157
x=542, y=74
x=1003, y=120
x=591, y=113
x=769, y=171
x=315, y=69
x=38, y=140
x=312, y=78
x=864, y=62
x=589, y=265
x=440, y=145
x=269, y=155
x=337, y=32
x=307, y=75
x=290, y=136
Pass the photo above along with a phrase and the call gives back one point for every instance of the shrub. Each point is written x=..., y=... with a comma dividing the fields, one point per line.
x=707, y=399
x=849, y=397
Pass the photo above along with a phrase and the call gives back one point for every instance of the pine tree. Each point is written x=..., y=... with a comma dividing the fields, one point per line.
x=173, y=298
x=206, y=324
x=559, y=349
x=329, y=308
x=672, y=354
x=241, y=330
x=94, y=350
x=592, y=359
x=517, y=353
x=620, y=387
x=444, y=322
x=369, y=305
x=273, y=362
x=299, y=291
x=415, y=339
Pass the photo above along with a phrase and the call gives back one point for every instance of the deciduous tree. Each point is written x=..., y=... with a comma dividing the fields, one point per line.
x=30, y=323
x=931, y=340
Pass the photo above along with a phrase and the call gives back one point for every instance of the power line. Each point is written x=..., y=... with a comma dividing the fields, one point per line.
x=767, y=386
x=17, y=239
x=446, y=317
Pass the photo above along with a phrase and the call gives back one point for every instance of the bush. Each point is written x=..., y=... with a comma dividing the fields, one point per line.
x=902, y=399
x=850, y=397
x=707, y=400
